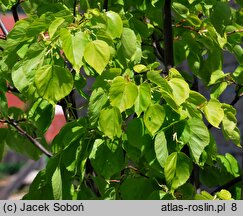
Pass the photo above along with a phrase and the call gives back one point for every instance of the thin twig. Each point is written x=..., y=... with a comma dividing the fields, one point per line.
x=235, y=31
x=30, y=138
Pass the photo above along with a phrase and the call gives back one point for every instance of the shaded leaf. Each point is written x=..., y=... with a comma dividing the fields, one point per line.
x=160, y=147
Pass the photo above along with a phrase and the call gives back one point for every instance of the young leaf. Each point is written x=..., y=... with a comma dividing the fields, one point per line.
x=143, y=99
x=53, y=82
x=97, y=55
x=110, y=122
x=213, y=112
x=178, y=167
x=74, y=46
x=197, y=136
x=114, y=24
x=160, y=147
x=55, y=25
x=154, y=117
x=123, y=93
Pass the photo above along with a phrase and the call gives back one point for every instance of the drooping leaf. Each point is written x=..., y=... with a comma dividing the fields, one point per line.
x=123, y=93
x=143, y=99
x=160, y=147
x=197, y=136
x=178, y=167
x=97, y=55
x=74, y=47
x=213, y=112
x=53, y=82
x=154, y=117
x=110, y=122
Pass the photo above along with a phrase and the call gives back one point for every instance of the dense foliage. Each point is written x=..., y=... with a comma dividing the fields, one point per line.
x=144, y=131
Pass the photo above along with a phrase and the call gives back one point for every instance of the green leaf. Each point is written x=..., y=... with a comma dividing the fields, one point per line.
x=136, y=133
x=136, y=189
x=180, y=90
x=196, y=98
x=42, y=114
x=154, y=117
x=214, y=112
x=177, y=169
x=229, y=164
x=55, y=25
x=97, y=55
x=166, y=90
x=74, y=47
x=70, y=132
x=160, y=147
x=128, y=43
x=114, y=24
x=238, y=74
x=3, y=104
x=56, y=181
x=204, y=195
x=123, y=93
x=53, y=82
x=221, y=16
x=143, y=99
x=216, y=77
x=224, y=195
x=110, y=122
x=229, y=124
x=197, y=136
x=97, y=101
x=104, y=161
x=180, y=9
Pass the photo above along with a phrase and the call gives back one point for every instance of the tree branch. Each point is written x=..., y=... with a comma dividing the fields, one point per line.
x=105, y=5
x=227, y=185
x=15, y=12
x=30, y=138
x=168, y=36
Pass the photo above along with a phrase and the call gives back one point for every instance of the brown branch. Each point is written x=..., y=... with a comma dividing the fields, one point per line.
x=30, y=138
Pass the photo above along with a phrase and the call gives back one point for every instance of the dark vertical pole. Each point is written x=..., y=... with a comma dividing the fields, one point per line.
x=168, y=36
